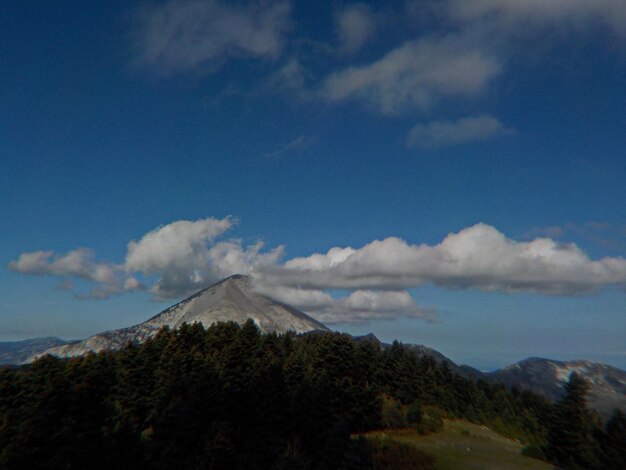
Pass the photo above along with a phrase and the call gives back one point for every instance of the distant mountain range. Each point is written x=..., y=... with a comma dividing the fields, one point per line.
x=234, y=299
x=16, y=352
x=607, y=385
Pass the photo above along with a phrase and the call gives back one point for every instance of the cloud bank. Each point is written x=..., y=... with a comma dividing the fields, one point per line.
x=477, y=257
x=182, y=257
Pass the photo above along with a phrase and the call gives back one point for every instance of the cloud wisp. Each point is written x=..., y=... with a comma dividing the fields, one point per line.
x=179, y=258
x=530, y=15
x=355, y=26
x=437, y=134
x=79, y=263
x=190, y=35
x=294, y=146
x=415, y=75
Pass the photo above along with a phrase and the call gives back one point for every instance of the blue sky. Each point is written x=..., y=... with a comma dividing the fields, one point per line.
x=441, y=172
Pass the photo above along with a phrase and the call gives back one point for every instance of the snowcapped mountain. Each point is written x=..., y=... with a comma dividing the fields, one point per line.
x=232, y=299
x=607, y=384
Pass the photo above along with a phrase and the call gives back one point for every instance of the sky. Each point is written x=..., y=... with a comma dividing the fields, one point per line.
x=448, y=173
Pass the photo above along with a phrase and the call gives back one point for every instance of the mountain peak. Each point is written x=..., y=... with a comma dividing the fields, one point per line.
x=231, y=299
x=242, y=279
x=234, y=299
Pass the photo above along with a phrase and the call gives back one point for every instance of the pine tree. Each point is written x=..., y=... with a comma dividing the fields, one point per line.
x=570, y=443
x=613, y=442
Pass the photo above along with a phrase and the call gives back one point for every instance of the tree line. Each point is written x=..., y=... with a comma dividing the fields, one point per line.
x=229, y=397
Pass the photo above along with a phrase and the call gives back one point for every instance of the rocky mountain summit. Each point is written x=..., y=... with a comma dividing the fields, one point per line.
x=232, y=299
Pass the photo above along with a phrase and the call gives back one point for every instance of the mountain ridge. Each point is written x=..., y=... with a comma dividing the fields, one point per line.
x=607, y=384
x=234, y=299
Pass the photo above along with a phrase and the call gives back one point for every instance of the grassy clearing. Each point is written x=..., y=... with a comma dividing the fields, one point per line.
x=465, y=446
x=390, y=454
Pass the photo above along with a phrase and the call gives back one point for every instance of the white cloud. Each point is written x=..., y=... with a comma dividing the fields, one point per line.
x=368, y=304
x=185, y=256
x=309, y=300
x=436, y=134
x=178, y=244
x=231, y=257
x=355, y=26
x=185, y=35
x=416, y=75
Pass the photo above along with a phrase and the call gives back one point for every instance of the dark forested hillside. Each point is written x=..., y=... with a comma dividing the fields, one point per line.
x=232, y=398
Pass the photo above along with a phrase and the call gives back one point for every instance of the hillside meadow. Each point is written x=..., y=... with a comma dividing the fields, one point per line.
x=461, y=445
